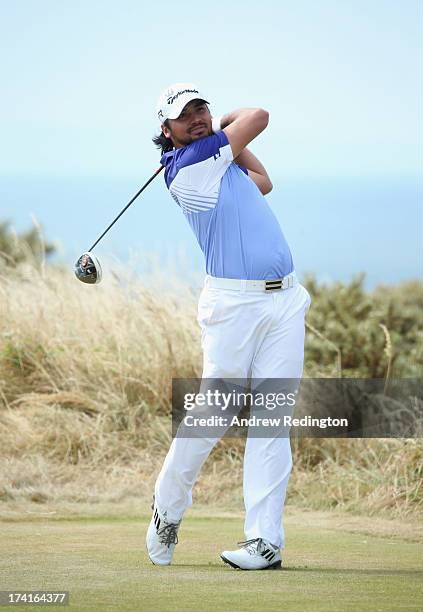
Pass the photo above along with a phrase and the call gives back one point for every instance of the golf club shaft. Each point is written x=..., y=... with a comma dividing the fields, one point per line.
x=127, y=206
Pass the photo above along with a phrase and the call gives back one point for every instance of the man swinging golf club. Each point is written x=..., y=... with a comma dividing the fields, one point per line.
x=251, y=310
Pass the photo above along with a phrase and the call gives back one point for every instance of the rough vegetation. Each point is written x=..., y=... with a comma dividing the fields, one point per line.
x=85, y=390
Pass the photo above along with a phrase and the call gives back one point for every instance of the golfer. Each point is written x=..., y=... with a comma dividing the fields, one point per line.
x=251, y=310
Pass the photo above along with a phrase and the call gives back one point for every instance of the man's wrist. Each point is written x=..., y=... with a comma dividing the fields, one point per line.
x=225, y=120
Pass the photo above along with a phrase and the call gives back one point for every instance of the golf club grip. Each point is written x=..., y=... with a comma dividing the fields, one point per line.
x=127, y=206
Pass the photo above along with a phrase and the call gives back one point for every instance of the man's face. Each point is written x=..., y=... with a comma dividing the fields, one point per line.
x=193, y=123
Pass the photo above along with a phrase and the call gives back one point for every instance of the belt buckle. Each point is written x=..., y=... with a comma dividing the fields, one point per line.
x=273, y=285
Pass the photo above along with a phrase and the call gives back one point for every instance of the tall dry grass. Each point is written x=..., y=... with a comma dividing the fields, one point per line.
x=85, y=392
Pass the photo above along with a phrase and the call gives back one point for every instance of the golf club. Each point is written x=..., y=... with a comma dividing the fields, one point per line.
x=87, y=268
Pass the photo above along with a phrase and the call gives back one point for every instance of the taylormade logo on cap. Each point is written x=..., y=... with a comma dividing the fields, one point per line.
x=172, y=101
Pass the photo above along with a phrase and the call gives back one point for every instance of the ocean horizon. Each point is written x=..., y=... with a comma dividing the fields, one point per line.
x=337, y=228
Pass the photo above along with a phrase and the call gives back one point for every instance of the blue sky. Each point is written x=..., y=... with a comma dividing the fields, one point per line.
x=341, y=80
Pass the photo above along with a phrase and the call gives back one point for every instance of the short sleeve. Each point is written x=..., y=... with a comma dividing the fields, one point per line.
x=202, y=163
x=202, y=149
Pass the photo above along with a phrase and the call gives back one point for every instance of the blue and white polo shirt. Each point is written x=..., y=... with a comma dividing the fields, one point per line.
x=232, y=221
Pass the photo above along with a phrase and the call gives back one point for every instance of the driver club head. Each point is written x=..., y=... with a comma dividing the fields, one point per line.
x=88, y=269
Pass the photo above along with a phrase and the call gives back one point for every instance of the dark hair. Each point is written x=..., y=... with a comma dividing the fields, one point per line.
x=163, y=143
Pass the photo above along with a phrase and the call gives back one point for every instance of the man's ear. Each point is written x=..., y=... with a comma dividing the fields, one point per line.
x=165, y=130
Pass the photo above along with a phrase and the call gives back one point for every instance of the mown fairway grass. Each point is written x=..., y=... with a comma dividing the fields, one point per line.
x=103, y=563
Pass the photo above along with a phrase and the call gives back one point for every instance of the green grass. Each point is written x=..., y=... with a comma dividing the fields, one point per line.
x=104, y=565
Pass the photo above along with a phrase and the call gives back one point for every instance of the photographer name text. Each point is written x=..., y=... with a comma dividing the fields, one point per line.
x=254, y=421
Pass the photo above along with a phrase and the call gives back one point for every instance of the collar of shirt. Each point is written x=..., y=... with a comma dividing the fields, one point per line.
x=166, y=156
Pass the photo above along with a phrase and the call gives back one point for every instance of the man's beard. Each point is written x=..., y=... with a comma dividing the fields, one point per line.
x=192, y=137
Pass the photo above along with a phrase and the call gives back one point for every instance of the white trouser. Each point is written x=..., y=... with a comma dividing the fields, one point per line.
x=244, y=334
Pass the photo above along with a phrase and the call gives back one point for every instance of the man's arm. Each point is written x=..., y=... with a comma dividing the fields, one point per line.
x=242, y=126
x=256, y=170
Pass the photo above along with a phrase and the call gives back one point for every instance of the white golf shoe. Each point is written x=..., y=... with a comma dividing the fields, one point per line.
x=256, y=554
x=162, y=537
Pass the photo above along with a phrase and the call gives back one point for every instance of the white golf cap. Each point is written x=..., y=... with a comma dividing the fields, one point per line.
x=172, y=101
